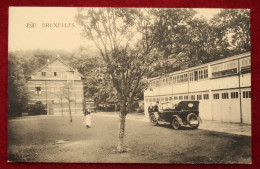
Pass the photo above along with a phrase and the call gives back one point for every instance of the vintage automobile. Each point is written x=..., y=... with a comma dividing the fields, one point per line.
x=184, y=113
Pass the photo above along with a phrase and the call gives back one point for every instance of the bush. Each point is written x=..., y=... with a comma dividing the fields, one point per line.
x=37, y=109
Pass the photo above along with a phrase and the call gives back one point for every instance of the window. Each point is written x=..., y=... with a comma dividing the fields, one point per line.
x=195, y=75
x=185, y=77
x=52, y=89
x=38, y=90
x=166, y=99
x=205, y=96
x=167, y=81
x=245, y=62
x=199, y=97
x=186, y=98
x=191, y=76
x=224, y=95
x=206, y=73
x=175, y=97
x=163, y=82
x=174, y=80
x=157, y=99
x=224, y=69
x=201, y=74
x=192, y=97
x=170, y=98
x=234, y=95
x=154, y=100
x=162, y=99
x=215, y=96
x=54, y=73
x=178, y=79
x=157, y=83
x=246, y=94
x=170, y=80
x=146, y=100
x=180, y=97
x=150, y=99
x=43, y=73
x=181, y=78
x=246, y=65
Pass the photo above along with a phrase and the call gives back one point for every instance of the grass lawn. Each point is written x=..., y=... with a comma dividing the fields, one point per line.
x=36, y=140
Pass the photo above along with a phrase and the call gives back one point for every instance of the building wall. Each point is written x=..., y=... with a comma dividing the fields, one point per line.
x=229, y=79
x=54, y=89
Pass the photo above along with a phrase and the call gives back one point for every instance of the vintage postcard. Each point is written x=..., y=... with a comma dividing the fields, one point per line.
x=129, y=85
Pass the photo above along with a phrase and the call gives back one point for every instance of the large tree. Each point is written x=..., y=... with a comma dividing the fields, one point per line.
x=18, y=95
x=115, y=32
x=233, y=25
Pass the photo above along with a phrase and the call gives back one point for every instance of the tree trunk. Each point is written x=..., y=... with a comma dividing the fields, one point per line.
x=70, y=113
x=130, y=106
x=120, y=145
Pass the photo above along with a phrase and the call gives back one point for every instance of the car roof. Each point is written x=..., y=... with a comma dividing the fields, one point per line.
x=178, y=101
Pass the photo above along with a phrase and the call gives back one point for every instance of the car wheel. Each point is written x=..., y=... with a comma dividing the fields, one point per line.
x=192, y=117
x=153, y=120
x=175, y=123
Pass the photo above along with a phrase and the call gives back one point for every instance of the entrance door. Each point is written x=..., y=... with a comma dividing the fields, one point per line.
x=246, y=105
x=216, y=105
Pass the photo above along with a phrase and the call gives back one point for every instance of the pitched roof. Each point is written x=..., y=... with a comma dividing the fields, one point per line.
x=57, y=58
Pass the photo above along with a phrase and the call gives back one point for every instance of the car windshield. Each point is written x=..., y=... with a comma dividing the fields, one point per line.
x=168, y=106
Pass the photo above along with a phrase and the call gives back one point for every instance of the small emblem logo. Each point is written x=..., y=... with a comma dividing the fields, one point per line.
x=30, y=25
x=190, y=104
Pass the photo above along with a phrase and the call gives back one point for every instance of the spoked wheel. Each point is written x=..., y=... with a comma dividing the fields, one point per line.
x=193, y=121
x=153, y=120
x=175, y=123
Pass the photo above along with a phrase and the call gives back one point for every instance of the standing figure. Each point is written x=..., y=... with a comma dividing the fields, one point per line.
x=87, y=117
x=150, y=109
x=156, y=107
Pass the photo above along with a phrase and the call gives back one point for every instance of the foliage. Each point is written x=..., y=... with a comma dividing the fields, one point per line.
x=112, y=30
x=187, y=41
x=18, y=95
x=37, y=109
x=234, y=27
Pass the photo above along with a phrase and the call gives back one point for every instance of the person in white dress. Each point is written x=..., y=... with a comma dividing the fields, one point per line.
x=87, y=117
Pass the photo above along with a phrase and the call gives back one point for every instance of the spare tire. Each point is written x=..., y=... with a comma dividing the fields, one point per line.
x=193, y=120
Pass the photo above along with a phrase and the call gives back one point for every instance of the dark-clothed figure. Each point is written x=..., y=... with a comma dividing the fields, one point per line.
x=150, y=109
x=156, y=107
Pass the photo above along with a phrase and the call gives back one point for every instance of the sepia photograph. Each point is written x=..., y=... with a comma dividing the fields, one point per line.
x=129, y=85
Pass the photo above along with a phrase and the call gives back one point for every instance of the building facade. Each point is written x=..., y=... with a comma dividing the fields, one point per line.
x=223, y=88
x=58, y=86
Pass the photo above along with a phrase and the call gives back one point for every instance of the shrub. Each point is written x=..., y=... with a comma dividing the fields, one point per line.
x=37, y=109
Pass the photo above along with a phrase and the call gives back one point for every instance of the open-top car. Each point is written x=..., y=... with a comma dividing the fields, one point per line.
x=184, y=113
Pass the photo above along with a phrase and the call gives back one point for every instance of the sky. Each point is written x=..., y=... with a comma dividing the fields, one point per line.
x=24, y=35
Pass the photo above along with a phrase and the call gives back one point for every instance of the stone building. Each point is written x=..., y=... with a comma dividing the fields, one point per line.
x=58, y=86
